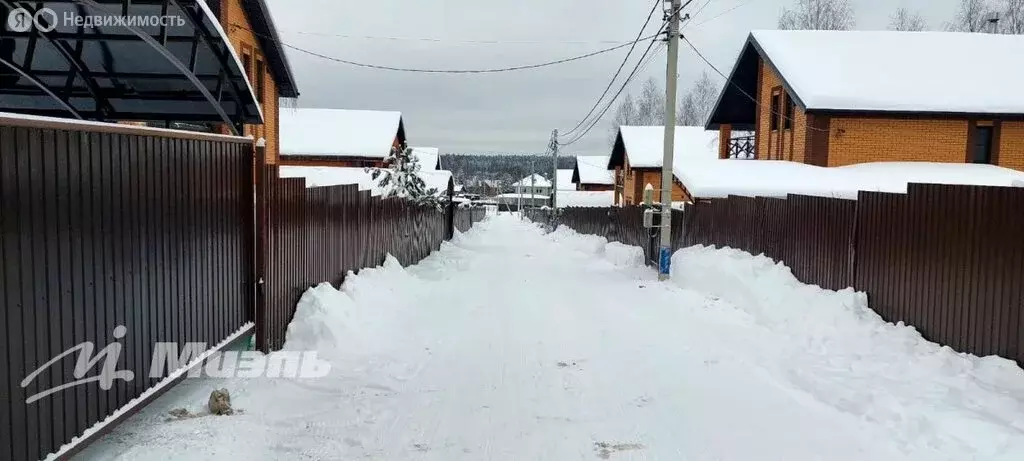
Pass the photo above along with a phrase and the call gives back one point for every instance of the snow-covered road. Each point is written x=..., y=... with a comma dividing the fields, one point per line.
x=512, y=344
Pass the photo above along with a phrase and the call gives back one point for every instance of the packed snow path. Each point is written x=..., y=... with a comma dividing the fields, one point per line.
x=512, y=344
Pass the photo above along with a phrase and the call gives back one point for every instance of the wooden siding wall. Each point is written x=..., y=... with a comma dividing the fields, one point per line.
x=102, y=227
x=948, y=260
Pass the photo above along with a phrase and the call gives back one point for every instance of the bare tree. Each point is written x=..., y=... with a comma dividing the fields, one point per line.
x=906, y=20
x=696, y=105
x=817, y=15
x=1012, y=19
x=650, y=107
x=971, y=17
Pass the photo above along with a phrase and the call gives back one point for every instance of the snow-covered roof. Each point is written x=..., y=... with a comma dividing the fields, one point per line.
x=339, y=132
x=362, y=177
x=777, y=178
x=899, y=71
x=428, y=157
x=594, y=170
x=565, y=180
x=644, y=145
x=585, y=199
x=534, y=180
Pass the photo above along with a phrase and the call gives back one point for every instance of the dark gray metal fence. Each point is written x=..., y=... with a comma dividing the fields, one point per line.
x=102, y=226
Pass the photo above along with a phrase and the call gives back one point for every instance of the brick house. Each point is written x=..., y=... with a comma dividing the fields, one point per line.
x=251, y=32
x=638, y=154
x=832, y=98
x=339, y=138
x=591, y=174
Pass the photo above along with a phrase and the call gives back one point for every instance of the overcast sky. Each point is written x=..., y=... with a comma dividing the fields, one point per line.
x=510, y=112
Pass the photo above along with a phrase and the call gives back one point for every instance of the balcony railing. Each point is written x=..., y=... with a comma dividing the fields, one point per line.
x=743, y=147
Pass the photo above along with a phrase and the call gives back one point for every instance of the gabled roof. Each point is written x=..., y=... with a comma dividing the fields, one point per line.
x=340, y=133
x=428, y=157
x=593, y=170
x=565, y=181
x=534, y=180
x=266, y=34
x=948, y=73
x=644, y=146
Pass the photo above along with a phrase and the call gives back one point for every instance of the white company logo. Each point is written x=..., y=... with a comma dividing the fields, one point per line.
x=168, y=359
x=46, y=20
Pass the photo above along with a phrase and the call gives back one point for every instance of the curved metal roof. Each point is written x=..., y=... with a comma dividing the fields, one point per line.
x=123, y=60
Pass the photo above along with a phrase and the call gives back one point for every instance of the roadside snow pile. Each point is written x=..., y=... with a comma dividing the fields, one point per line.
x=586, y=243
x=624, y=255
x=616, y=253
x=321, y=320
x=835, y=348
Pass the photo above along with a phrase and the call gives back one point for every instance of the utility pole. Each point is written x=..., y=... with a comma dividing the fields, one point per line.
x=671, y=80
x=533, y=183
x=554, y=182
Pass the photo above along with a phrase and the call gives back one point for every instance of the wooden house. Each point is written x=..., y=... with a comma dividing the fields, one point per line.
x=638, y=154
x=339, y=138
x=835, y=98
x=591, y=174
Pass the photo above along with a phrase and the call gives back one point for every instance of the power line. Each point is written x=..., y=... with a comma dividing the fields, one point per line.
x=730, y=10
x=636, y=71
x=459, y=41
x=705, y=5
x=641, y=65
x=741, y=90
x=447, y=71
x=617, y=72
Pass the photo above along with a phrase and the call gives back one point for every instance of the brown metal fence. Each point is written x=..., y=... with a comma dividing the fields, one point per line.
x=313, y=235
x=947, y=259
x=103, y=226
x=464, y=218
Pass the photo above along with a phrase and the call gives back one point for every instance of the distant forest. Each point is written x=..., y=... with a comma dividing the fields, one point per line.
x=471, y=169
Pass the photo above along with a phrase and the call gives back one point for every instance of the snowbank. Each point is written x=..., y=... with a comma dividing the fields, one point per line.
x=615, y=253
x=839, y=70
x=321, y=321
x=832, y=346
x=585, y=199
x=645, y=145
x=338, y=132
x=594, y=170
x=777, y=178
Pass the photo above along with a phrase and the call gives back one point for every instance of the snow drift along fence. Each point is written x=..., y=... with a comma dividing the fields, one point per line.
x=946, y=259
x=311, y=235
x=104, y=226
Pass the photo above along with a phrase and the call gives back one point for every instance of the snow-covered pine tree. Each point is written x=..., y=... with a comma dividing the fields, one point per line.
x=401, y=179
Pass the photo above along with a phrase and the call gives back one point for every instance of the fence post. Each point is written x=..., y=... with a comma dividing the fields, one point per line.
x=260, y=247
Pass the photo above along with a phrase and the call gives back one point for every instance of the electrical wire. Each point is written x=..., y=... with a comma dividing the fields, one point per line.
x=636, y=71
x=446, y=71
x=458, y=41
x=617, y=72
x=737, y=86
x=641, y=65
x=730, y=10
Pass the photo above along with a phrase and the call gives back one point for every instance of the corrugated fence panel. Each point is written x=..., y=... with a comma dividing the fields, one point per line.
x=102, y=228
x=319, y=234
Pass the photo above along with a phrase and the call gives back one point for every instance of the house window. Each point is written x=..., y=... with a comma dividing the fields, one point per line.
x=776, y=109
x=790, y=108
x=260, y=82
x=247, y=63
x=981, y=150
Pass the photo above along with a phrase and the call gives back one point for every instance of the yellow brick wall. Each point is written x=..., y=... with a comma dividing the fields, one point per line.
x=239, y=31
x=1011, y=145
x=653, y=178
x=862, y=140
x=793, y=140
